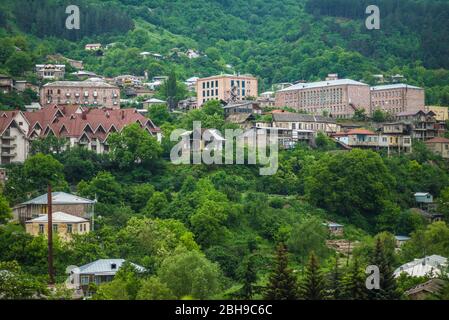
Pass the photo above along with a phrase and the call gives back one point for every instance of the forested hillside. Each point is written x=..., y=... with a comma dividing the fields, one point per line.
x=224, y=231
x=279, y=40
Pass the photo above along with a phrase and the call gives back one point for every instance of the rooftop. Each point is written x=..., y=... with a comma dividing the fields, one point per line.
x=430, y=265
x=361, y=132
x=438, y=140
x=395, y=86
x=319, y=84
x=58, y=217
x=291, y=116
x=93, y=82
x=402, y=238
x=105, y=266
x=60, y=198
x=226, y=75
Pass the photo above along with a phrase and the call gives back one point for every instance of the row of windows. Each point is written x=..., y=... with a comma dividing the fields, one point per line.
x=317, y=109
x=77, y=93
x=207, y=99
x=210, y=84
x=81, y=227
x=209, y=93
x=386, y=94
x=390, y=102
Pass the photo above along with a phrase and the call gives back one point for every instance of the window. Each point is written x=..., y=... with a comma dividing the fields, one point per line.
x=84, y=280
x=55, y=228
x=69, y=228
x=41, y=229
x=216, y=83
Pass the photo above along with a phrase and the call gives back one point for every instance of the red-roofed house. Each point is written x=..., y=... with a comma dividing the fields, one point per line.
x=85, y=126
x=13, y=134
x=439, y=145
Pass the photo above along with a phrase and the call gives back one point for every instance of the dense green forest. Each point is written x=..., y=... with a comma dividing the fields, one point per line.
x=225, y=231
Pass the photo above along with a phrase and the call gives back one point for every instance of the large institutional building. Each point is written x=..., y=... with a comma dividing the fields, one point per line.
x=337, y=98
x=396, y=98
x=226, y=87
x=340, y=98
x=91, y=92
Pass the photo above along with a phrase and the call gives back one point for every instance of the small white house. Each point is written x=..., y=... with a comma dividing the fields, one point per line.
x=423, y=197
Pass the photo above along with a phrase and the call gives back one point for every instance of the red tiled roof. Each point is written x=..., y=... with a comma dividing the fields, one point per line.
x=6, y=118
x=438, y=140
x=96, y=123
x=361, y=131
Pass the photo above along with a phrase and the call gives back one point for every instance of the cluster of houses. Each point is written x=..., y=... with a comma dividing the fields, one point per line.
x=87, y=127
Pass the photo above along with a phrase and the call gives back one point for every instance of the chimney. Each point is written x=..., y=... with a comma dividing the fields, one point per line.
x=123, y=114
x=113, y=266
x=84, y=115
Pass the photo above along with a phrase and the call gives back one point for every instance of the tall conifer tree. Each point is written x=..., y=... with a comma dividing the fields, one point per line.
x=282, y=285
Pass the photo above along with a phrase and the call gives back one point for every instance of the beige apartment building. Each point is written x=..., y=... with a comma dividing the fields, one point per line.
x=337, y=98
x=226, y=87
x=396, y=98
x=92, y=92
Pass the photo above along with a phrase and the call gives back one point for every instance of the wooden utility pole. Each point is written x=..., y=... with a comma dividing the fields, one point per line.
x=50, y=236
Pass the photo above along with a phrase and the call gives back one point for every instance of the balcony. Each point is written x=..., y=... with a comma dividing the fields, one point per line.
x=9, y=145
x=8, y=154
x=9, y=137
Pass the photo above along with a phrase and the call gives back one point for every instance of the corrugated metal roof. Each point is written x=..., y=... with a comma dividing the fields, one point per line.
x=402, y=238
x=422, y=267
x=319, y=84
x=60, y=198
x=104, y=266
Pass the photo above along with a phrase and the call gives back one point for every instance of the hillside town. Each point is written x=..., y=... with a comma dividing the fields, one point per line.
x=85, y=112
x=224, y=150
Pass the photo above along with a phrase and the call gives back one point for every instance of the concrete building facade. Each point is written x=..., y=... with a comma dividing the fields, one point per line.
x=337, y=98
x=92, y=92
x=13, y=135
x=226, y=87
x=396, y=98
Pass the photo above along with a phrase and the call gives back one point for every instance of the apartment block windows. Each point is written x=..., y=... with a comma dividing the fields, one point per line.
x=69, y=228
